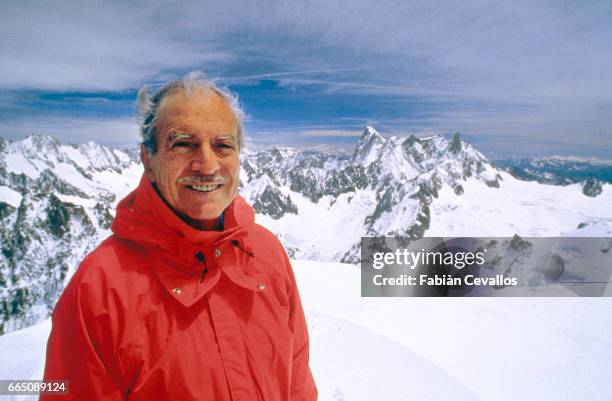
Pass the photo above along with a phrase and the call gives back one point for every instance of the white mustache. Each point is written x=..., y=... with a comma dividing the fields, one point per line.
x=212, y=180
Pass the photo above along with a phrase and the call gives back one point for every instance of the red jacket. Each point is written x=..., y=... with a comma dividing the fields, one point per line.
x=162, y=311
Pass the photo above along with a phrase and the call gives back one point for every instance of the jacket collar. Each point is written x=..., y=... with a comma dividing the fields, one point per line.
x=144, y=218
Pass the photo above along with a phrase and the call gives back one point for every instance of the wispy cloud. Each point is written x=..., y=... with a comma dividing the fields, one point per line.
x=490, y=68
x=329, y=133
x=92, y=46
x=388, y=90
x=257, y=77
x=113, y=132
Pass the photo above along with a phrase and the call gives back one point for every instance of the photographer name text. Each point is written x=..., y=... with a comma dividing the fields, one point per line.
x=443, y=280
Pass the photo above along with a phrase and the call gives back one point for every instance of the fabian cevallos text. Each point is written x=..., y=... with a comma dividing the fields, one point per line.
x=443, y=279
x=411, y=259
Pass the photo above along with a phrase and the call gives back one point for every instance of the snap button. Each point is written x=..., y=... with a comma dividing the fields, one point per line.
x=261, y=286
x=177, y=291
x=217, y=252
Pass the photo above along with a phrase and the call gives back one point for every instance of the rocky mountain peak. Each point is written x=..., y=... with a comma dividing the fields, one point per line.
x=41, y=142
x=37, y=146
x=370, y=131
x=102, y=158
x=411, y=140
x=370, y=136
x=592, y=187
x=369, y=146
x=56, y=203
x=454, y=146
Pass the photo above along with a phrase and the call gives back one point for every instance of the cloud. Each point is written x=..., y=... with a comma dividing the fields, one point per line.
x=590, y=160
x=112, y=131
x=335, y=133
x=92, y=46
x=255, y=78
x=445, y=46
x=477, y=66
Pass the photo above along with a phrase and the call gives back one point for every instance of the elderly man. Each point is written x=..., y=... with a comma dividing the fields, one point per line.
x=189, y=299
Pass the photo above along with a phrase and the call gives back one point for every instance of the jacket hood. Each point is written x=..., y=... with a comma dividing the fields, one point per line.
x=144, y=218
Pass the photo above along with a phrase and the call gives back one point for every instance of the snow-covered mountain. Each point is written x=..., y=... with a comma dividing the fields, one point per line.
x=322, y=204
x=385, y=188
x=57, y=202
x=560, y=170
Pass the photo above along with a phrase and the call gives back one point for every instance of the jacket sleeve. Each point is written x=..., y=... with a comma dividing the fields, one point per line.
x=303, y=387
x=76, y=352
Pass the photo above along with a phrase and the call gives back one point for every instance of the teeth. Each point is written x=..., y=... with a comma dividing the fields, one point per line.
x=204, y=188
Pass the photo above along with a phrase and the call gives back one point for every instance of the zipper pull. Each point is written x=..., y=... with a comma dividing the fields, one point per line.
x=242, y=247
x=202, y=259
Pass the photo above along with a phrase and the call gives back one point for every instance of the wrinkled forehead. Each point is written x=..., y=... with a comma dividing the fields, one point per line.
x=196, y=108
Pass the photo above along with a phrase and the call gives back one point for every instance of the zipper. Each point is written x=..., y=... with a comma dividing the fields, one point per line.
x=200, y=256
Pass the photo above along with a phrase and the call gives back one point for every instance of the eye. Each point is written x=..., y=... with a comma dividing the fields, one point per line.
x=225, y=146
x=181, y=144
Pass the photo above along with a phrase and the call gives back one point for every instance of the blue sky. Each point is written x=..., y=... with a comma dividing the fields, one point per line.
x=517, y=78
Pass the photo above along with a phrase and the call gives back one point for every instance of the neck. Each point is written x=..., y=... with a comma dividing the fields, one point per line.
x=203, y=225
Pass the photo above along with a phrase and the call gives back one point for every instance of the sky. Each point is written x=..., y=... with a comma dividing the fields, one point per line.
x=518, y=78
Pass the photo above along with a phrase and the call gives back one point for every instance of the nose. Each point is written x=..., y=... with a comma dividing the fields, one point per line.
x=205, y=160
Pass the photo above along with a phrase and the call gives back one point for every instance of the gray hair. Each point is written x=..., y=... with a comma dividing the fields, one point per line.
x=147, y=105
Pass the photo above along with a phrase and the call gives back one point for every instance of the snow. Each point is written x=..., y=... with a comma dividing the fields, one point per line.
x=497, y=348
x=23, y=355
x=382, y=348
x=256, y=187
x=76, y=156
x=392, y=221
x=119, y=184
x=517, y=207
x=394, y=161
x=593, y=229
x=10, y=196
x=396, y=172
x=489, y=174
x=387, y=349
x=318, y=239
x=369, y=148
x=110, y=169
x=20, y=165
x=537, y=210
x=351, y=362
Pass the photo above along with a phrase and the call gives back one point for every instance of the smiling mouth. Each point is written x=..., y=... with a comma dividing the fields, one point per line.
x=204, y=188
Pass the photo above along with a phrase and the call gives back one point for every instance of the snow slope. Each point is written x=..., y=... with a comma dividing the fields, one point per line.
x=529, y=209
x=387, y=349
x=499, y=348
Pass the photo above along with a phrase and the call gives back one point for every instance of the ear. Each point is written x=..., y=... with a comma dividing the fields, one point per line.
x=145, y=157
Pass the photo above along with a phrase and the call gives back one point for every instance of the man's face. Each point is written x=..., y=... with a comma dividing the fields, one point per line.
x=196, y=165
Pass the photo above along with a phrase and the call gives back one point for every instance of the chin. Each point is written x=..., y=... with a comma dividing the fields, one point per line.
x=209, y=215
